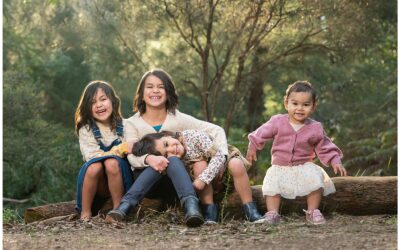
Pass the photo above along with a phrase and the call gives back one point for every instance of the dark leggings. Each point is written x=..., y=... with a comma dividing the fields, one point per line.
x=152, y=184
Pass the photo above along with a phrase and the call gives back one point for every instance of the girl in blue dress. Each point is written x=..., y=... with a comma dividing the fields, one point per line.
x=106, y=172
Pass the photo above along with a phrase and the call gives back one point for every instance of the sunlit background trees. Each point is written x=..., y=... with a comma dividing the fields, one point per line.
x=231, y=62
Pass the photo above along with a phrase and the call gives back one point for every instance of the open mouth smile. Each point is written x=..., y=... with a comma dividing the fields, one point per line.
x=101, y=112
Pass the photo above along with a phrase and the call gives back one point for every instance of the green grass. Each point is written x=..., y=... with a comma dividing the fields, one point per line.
x=392, y=220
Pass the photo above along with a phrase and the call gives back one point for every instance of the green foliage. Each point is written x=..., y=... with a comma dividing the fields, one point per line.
x=11, y=216
x=52, y=49
x=44, y=43
x=238, y=138
x=40, y=159
x=357, y=100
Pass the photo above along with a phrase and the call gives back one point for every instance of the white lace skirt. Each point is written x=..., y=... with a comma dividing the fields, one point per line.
x=290, y=182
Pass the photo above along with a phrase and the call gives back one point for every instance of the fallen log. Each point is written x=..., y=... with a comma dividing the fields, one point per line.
x=49, y=211
x=67, y=208
x=354, y=195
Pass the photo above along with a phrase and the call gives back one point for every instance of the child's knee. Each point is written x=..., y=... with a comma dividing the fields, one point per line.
x=94, y=170
x=236, y=167
x=199, y=167
x=111, y=166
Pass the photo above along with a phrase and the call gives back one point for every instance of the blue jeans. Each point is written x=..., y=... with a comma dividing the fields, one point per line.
x=151, y=183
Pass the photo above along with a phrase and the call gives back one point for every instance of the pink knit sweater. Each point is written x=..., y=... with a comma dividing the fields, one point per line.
x=291, y=148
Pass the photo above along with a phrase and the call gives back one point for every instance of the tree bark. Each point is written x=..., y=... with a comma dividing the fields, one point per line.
x=255, y=105
x=49, y=211
x=354, y=195
x=68, y=208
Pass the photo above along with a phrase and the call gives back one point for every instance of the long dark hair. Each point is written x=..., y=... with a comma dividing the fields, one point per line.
x=147, y=144
x=83, y=113
x=169, y=86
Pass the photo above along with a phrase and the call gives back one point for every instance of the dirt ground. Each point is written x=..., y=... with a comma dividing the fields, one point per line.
x=166, y=231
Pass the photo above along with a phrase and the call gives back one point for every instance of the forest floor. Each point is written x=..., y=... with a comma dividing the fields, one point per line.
x=166, y=231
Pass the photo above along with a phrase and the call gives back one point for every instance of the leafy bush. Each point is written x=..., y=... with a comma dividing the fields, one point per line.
x=40, y=160
x=10, y=216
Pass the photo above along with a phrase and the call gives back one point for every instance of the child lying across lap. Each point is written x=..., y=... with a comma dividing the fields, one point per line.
x=189, y=145
x=192, y=146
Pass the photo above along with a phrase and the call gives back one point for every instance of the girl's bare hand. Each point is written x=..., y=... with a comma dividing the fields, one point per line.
x=198, y=184
x=157, y=162
x=339, y=168
x=251, y=155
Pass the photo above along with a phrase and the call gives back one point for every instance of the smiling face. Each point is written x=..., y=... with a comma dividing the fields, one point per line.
x=154, y=94
x=169, y=146
x=156, y=76
x=101, y=107
x=300, y=106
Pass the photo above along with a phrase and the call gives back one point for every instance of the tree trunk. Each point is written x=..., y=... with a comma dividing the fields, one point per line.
x=236, y=92
x=354, y=195
x=255, y=103
x=255, y=106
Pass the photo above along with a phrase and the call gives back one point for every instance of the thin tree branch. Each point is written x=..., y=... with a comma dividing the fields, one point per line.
x=196, y=89
x=15, y=200
x=183, y=35
x=120, y=37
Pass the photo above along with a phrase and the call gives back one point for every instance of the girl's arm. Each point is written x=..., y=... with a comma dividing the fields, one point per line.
x=216, y=163
x=327, y=152
x=187, y=122
x=132, y=135
x=259, y=137
x=203, y=143
x=89, y=147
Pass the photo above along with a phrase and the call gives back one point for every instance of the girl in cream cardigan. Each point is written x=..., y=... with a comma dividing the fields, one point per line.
x=155, y=103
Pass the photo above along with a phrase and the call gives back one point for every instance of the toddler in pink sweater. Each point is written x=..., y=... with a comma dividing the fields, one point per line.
x=297, y=140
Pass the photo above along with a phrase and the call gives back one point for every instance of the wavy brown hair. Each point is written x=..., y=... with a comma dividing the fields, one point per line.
x=172, y=97
x=83, y=113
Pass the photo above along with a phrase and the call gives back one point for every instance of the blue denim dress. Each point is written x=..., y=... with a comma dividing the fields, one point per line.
x=123, y=163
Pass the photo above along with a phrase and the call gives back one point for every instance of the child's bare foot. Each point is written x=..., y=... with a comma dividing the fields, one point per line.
x=85, y=217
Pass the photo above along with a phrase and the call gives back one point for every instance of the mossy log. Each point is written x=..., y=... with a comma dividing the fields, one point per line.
x=354, y=195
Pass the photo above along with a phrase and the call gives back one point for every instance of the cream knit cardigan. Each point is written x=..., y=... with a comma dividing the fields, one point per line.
x=89, y=146
x=135, y=128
